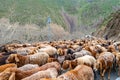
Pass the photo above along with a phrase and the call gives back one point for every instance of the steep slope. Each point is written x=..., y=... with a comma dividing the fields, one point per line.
x=110, y=28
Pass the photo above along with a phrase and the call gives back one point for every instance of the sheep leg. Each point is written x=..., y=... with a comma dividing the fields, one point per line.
x=109, y=73
x=119, y=70
x=102, y=74
x=115, y=64
x=101, y=77
x=102, y=71
x=12, y=76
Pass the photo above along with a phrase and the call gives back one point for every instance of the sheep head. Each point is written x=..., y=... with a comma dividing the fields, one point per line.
x=96, y=65
x=60, y=51
x=13, y=58
x=66, y=64
x=73, y=64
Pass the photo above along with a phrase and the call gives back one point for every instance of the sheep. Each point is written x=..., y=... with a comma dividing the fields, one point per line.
x=4, y=56
x=81, y=72
x=61, y=51
x=105, y=61
x=81, y=53
x=3, y=67
x=28, y=67
x=69, y=57
x=26, y=50
x=49, y=73
x=50, y=79
x=51, y=60
x=70, y=51
x=96, y=50
x=48, y=65
x=8, y=53
x=27, y=45
x=38, y=58
x=118, y=62
x=19, y=74
x=67, y=64
x=51, y=51
x=86, y=60
x=11, y=47
x=91, y=49
x=61, y=59
x=74, y=47
x=116, y=43
x=3, y=59
x=7, y=75
x=111, y=48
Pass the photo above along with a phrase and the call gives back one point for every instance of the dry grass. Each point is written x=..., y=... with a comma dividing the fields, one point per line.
x=29, y=32
x=34, y=33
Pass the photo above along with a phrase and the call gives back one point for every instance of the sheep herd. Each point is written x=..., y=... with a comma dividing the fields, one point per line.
x=79, y=59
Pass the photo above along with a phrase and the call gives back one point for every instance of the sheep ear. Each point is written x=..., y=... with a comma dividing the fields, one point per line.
x=16, y=58
x=12, y=76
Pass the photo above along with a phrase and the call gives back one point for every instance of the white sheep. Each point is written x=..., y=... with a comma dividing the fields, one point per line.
x=38, y=58
x=28, y=67
x=49, y=50
x=87, y=60
x=81, y=53
x=26, y=50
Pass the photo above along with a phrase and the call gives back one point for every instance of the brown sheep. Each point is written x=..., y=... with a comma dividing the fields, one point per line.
x=51, y=60
x=96, y=50
x=86, y=60
x=118, y=62
x=7, y=75
x=51, y=79
x=49, y=73
x=22, y=74
x=61, y=52
x=38, y=58
x=5, y=66
x=67, y=64
x=81, y=72
x=105, y=61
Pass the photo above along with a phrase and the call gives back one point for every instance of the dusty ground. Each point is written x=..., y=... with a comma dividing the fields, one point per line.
x=113, y=76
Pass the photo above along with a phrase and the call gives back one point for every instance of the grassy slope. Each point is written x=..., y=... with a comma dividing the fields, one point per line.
x=37, y=11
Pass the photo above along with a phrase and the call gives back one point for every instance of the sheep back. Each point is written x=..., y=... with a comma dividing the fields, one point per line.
x=49, y=73
x=38, y=58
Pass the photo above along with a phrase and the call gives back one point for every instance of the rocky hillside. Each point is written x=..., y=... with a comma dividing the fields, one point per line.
x=110, y=28
x=37, y=11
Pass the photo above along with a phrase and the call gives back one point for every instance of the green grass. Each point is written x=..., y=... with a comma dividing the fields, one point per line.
x=37, y=11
